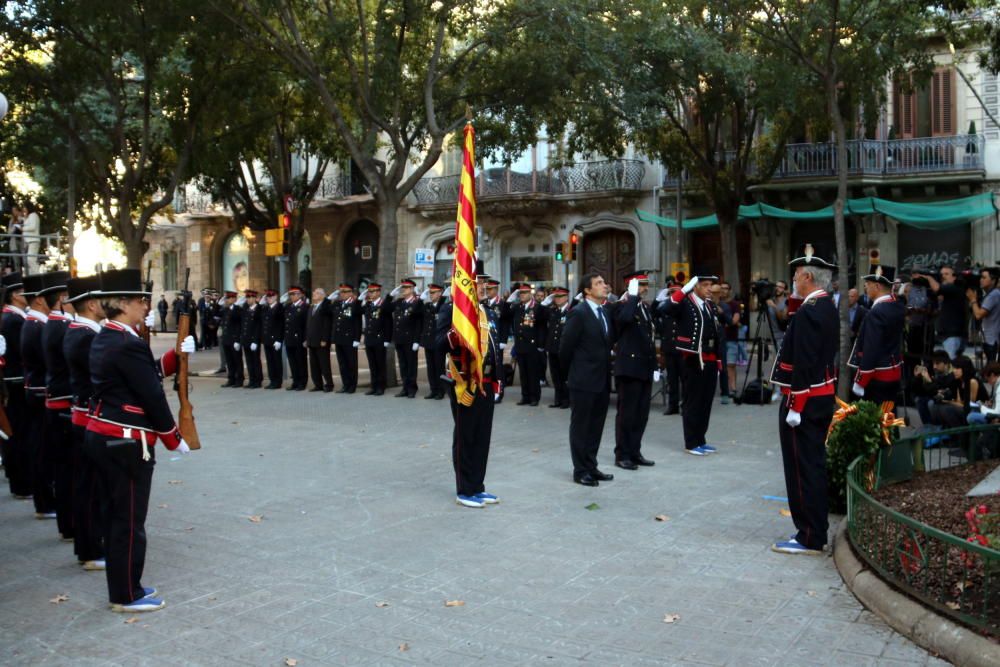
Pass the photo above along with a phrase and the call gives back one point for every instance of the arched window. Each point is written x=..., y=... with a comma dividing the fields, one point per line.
x=304, y=259
x=236, y=263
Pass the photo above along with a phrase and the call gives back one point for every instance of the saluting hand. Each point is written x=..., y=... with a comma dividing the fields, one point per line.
x=277, y=345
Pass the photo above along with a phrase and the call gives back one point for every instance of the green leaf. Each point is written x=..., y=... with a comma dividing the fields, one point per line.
x=592, y=507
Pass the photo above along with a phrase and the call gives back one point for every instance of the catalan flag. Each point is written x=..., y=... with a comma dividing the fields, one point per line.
x=467, y=319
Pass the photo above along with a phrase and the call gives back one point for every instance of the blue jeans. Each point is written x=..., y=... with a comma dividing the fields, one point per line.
x=953, y=345
x=975, y=418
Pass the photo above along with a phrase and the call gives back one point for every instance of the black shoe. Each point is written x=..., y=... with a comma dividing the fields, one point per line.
x=292, y=388
x=370, y=392
x=439, y=397
x=379, y=392
x=672, y=410
x=402, y=394
x=430, y=397
x=586, y=479
x=255, y=385
x=342, y=390
x=556, y=405
x=642, y=460
x=348, y=391
x=273, y=386
x=228, y=384
x=414, y=395
x=316, y=389
x=626, y=464
x=301, y=387
x=604, y=477
x=565, y=406
x=534, y=404
x=327, y=390
x=523, y=401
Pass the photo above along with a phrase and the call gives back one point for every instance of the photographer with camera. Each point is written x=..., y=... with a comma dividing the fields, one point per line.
x=777, y=307
x=933, y=391
x=985, y=304
x=920, y=309
x=951, y=325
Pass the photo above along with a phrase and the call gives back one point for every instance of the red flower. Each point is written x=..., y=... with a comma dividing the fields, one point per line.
x=982, y=540
x=982, y=509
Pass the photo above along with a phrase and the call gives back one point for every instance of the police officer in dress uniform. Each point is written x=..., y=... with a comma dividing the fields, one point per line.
x=251, y=334
x=470, y=447
x=407, y=324
x=635, y=361
x=296, y=312
x=528, y=323
x=698, y=340
x=500, y=321
x=347, y=336
x=33, y=360
x=433, y=354
x=89, y=497
x=319, y=333
x=876, y=354
x=58, y=399
x=555, y=320
x=230, y=340
x=129, y=414
x=667, y=331
x=17, y=451
x=378, y=336
x=271, y=336
x=807, y=374
x=213, y=312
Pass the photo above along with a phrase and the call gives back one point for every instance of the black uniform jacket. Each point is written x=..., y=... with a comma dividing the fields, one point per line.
x=347, y=321
x=231, y=318
x=585, y=350
x=635, y=356
x=805, y=363
x=295, y=316
x=876, y=349
x=76, y=348
x=57, y=384
x=431, y=311
x=272, y=324
x=407, y=321
x=11, y=323
x=697, y=326
x=528, y=322
x=32, y=355
x=555, y=322
x=251, y=324
x=378, y=322
x=499, y=311
x=445, y=340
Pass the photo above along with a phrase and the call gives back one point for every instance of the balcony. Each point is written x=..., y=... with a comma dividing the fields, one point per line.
x=604, y=176
x=879, y=159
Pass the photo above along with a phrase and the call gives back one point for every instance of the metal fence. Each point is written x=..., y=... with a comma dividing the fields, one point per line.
x=19, y=249
x=956, y=577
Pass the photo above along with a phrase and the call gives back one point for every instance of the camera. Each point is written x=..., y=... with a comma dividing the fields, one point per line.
x=763, y=289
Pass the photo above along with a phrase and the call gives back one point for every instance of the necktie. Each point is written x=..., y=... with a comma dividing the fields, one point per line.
x=604, y=322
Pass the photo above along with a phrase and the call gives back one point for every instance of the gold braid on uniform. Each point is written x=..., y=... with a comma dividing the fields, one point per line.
x=465, y=390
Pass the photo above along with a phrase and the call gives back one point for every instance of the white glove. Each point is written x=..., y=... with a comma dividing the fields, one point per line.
x=363, y=296
x=513, y=296
x=689, y=285
x=663, y=295
x=183, y=448
x=633, y=287
x=612, y=298
x=793, y=418
x=3, y=346
x=446, y=294
x=187, y=345
x=416, y=346
x=547, y=300
x=394, y=293
x=236, y=346
x=277, y=345
x=284, y=298
x=356, y=343
x=240, y=301
x=425, y=296
x=253, y=347
x=503, y=346
x=858, y=389
x=578, y=297
x=386, y=344
x=540, y=349
x=150, y=321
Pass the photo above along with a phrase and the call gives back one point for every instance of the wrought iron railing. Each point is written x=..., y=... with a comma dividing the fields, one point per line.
x=334, y=186
x=581, y=177
x=958, y=578
x=191, y=199
x=873, y=157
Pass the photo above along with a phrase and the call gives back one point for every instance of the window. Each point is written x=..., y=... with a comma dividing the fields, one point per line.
x=991, y=100
x=170, y=271
x=928, y=111
x=236, y=263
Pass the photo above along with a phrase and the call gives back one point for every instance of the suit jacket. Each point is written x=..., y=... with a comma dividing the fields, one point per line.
x=319, y=324
x=585, y=350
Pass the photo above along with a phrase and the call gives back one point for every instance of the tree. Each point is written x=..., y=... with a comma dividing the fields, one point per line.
x=129, y=86
x=849, y=49
x=395, y=78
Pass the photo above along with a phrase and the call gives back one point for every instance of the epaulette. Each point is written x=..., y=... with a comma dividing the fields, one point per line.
x=810, y=302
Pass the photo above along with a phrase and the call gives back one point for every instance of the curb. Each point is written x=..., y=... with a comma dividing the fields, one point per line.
x=927, y=629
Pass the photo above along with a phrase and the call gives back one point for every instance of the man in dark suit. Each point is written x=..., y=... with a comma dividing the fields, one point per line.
x=585, y=351
x=347, y=337
x=251, y=325
x=319, y=332
x=856, y=313
x=295, y=315
x=635, y=361
x=272, y=336
x=378, y=336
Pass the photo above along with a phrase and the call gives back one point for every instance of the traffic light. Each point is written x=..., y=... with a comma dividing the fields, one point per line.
x=276, y=241
x=574, y=240
x=560, y=252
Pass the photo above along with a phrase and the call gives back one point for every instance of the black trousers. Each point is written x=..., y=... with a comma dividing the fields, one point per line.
x=699, y=391
x=163, y=323
x=319, y=367
x=990, y=352
x=59, y=442
x=127, y=479
x=274, y=365
x=634, y=397
x=558, y=380
x=407, y=357
x=532, y=367
x=234, y=364
x=254, y=370
x=803, y=452
x=435, y=369
x=297, y=364
x=470, y=447
x=672, y=367
x=878, y=392
x=89, y=501
x=347, y=362
x=17, y=459
x=586, y=423
x=43, y=473
x=376, y=353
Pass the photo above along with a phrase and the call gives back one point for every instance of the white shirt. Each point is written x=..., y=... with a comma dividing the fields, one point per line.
x=37, y=315
x=601, y=317
x=89, y=322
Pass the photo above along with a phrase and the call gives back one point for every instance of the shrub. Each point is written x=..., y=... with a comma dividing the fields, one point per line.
x=859, y=433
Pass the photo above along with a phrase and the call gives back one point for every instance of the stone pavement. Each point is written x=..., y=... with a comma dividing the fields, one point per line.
x=360, y=544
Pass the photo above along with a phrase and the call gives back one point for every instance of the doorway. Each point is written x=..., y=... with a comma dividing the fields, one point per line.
x=361, y=252
x=611, y=253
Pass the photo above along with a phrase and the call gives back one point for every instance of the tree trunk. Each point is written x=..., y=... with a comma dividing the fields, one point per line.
x=843, y=261
x=135, y=250
x=388, y=242
x=730, y=256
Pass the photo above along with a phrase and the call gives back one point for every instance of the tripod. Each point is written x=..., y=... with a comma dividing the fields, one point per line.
x=758, y=349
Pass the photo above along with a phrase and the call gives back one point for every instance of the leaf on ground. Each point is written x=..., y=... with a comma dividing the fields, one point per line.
x=404, y=647
x=954, y=606
x=454, y=603
x=671, y=618
x=174, y=481
x=535, y=451
x=811, y=594
x=256, y=518
x=592, y=507
x=163, y=506
x=132, y=620
x=62, y=597
x=422, y=446
x=381, y=603
x=784, y=512
x=662, y=517
x=291, y=662
x=189, y=528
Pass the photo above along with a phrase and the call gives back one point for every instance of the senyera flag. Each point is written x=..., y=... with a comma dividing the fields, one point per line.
x=466, y=317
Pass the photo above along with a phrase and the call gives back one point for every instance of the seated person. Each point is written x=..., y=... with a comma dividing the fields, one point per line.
x=928, y=389
x=990, y=411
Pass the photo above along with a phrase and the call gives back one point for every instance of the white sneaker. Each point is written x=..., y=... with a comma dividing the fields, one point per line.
x=142, y=604
x=94, y=565
x=470, y=501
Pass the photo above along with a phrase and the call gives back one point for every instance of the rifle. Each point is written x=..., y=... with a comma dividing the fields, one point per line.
x=148, y=285
x=185, y=415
